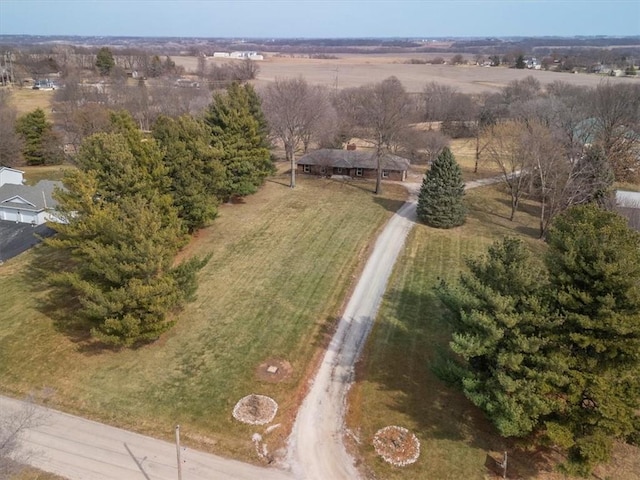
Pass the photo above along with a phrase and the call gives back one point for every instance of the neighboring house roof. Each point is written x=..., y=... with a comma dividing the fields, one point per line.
x=627, y=199
x=353, y=159
x=587, y=130
x=8, y=170
x=29, y=198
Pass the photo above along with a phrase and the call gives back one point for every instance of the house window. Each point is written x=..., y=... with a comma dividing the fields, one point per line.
x=358, y=172
x=323, y=170
x=385, y=173
x=306, y=168
x=339, y=170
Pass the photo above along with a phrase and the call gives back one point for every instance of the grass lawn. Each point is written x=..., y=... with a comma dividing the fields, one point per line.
x=396, y=385
x=281, y=264
x=27, y=100
x=33, y=175
x=29, y=473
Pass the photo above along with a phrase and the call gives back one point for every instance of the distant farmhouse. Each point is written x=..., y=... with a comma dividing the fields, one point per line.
x=352, y=163
x=24, y=203
x=239, y=55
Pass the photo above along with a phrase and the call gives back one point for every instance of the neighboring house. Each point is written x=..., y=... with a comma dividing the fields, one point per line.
x=11, y=175
x=353, y=163
x=628, y=205
x=24, y=203
x=45, y=84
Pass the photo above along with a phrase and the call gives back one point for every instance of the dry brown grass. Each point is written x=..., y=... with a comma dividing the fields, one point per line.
x=282, y=262
x=356, y=70
x=396, y=383
x=26, y=100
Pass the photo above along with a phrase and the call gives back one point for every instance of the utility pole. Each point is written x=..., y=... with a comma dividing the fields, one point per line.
x=178, y=452
x=504, y=466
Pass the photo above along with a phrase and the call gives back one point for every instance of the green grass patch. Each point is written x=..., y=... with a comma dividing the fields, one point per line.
x=281, y=264
x=396, y=382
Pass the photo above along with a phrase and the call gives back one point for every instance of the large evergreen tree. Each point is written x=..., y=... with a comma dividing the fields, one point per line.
x=594, y=270
x=41, y=145
x=440, y=201
x=500, y=336
x=105, y=61
x=193, y=166
x=122, y=235
x=555, y=352
x=238, y=133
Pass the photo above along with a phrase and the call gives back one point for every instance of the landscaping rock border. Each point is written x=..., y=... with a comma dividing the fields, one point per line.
x=255, y=409
x=396, y=445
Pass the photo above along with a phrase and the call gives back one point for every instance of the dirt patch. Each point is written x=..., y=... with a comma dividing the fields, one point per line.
x=255, y=409
x=397, y=445
x=274, y=370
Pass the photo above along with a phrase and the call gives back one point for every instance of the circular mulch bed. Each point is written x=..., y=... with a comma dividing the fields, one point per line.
x=283, y=372
x=397, y=445
x=255, y=409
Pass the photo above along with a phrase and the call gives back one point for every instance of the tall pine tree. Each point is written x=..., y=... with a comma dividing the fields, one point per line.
x=506, y=365
x=121, y=239
x=440, y=201
x=238, y=133
x=594, y=270
x=193, y=167
x=41, y=145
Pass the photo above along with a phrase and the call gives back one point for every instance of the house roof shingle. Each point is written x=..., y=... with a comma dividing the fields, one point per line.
x=38, y=197
x=353, y=159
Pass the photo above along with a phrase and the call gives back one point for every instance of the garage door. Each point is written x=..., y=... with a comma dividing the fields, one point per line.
x=29, y=217
x=10, y=215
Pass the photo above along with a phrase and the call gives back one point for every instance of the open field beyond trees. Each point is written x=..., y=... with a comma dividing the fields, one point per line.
x=356, y=70
x=281, y=264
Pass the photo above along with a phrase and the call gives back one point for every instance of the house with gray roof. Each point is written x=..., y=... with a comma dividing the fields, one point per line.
x=352, y=163
x=32, y=204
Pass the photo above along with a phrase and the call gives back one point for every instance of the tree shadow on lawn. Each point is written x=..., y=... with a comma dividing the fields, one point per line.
x=412, y=351
x=389, y=204
x=57, y=303
x=486, y=215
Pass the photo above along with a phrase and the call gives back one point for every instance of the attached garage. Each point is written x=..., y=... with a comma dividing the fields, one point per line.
x=10, y=215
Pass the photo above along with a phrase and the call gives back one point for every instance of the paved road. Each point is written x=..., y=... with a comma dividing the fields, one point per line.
x=80, y=449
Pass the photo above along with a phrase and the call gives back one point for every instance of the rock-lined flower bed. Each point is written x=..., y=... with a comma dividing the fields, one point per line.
x=397, y=445
x=255, y=409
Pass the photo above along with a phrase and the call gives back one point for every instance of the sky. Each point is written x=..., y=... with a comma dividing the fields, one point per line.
x=320, y=19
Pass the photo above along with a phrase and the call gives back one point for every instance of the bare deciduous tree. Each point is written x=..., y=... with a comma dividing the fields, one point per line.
x=296, y=112
x=10, y=142
x=12, y=426
x=505, y=147
x=380, y=112
x=421, y=146
x=616, y=111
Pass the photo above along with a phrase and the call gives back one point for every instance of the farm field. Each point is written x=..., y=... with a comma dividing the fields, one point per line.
x=281, y=265
x=395, y=382
x=355, y=70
